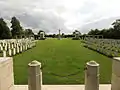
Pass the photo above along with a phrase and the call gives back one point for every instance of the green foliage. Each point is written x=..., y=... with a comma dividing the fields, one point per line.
x=28, y=32
x=113, y=33
x=94, y=32
x=16, y=28
x=116, y=25
x=5, y=32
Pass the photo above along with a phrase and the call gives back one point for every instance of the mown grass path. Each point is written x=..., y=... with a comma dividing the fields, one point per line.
x=61, y=57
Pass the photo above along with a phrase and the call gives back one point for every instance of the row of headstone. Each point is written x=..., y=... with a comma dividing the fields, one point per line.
x=13, y=47
x=109, y=47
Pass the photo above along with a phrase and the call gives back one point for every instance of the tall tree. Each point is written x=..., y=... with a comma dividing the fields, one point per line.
x=5, y=32
x=16, y=28
x=116, y=27
x=28, y=32
x=94, y=32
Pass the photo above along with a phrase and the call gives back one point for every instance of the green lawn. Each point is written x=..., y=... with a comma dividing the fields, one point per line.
x=61, y=57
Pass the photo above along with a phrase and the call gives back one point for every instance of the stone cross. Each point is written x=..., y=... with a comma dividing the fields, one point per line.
x=6, y=47
x=59, y=35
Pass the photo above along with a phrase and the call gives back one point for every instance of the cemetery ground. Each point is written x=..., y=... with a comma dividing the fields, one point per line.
x=63, y=62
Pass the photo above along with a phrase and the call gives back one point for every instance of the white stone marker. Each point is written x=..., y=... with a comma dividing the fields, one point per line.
x=14, y=51
x=26, y=47
x=6, y=47
x=34, y=78
x=1, y=48
x=18, y=50
x=23, y=46
x=115, y=83
x=12, y=46
x=3, y=43
x=4, y=53
x=59, y=36
x=9, y=52
x=92, y=76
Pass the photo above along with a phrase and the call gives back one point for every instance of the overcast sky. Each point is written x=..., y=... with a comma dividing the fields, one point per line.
x=67, y=15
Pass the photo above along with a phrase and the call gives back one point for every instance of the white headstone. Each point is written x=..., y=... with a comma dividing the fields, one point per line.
x=21, y=48
x=10, y=52
x=6, y=47
x=1, y=48
x=18, y=50
x=3, y=44
x=4, y=53
x=14, y=51
x=12, y=46
x=26, y=47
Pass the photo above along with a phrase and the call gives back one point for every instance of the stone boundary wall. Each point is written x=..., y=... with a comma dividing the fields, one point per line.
x=35, y=75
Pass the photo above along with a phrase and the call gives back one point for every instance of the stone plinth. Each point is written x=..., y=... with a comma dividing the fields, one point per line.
x=92, y=76
x=6, y=75
x=115, y=83
x=34, y=76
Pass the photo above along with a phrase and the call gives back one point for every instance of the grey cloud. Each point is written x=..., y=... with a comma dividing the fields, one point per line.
x=88, y=7
x=47, y=21
x=104, y=23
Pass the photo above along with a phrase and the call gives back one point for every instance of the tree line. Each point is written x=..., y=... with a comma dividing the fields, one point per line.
x=15, y=30
x=63, y=35
x=110, y=33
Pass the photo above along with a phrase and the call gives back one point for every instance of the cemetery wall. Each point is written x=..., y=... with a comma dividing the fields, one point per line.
x=6, y=74
x=116, y=74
